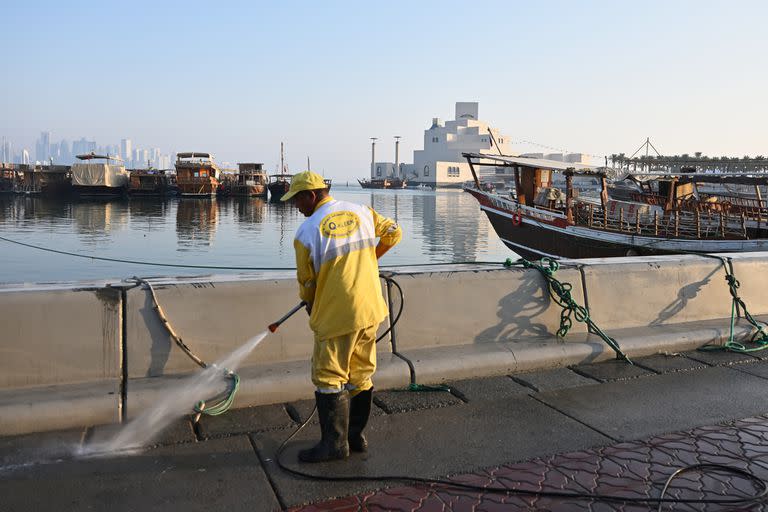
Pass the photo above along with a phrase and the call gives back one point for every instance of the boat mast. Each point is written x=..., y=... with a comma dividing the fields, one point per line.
x=373, y=157
x=282, y=159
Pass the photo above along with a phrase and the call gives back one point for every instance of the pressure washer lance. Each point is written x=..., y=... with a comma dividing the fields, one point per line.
x=200, y=407
x=273, y=327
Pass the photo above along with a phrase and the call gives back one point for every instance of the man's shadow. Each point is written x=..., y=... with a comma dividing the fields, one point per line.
x=516, y=312
x=685, y=294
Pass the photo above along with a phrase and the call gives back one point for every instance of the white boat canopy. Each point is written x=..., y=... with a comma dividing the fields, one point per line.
x=537, y=163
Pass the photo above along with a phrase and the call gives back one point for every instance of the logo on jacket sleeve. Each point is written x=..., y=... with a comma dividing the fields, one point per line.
x=341, y=224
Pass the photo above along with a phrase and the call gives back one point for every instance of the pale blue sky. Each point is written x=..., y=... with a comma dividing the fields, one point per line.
x=237, y=78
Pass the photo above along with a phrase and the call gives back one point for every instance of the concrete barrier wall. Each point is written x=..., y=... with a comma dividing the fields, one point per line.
x=62, y=336
x=491, y=321
x=59, y=358
x=213, y=319
x=444, y=308
x=648, y=292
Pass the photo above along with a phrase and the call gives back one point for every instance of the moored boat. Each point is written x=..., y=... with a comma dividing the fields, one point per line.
x=99, y=176
x=148, y=182
x=278, y=185
x=8, y=178
x=196, y=174
x=383, y=183
x=249, y=181
x=543, y=220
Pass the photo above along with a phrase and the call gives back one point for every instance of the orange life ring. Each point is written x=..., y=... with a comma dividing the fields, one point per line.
x=517, y=218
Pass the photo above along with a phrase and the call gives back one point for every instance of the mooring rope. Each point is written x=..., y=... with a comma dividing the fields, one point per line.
x=560, y=292
x=759, y=337
x=218, y=267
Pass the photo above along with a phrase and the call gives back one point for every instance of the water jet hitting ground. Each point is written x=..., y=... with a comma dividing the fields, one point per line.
x=178, y=401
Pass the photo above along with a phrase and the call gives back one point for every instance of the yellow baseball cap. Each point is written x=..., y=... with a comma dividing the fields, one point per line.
x=306, y=180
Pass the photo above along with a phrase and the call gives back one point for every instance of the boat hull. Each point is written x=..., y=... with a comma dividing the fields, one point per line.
x=99, y=191
x=395, y=183
x=248, y=191
x=535, y=233
x=206, y=189
x=278, y=190
x=154, y=192
x=534, y=241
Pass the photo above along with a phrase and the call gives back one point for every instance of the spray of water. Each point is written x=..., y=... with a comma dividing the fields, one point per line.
x=174, y=404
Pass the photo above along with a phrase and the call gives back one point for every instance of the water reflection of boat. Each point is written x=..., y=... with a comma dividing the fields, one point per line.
x=249, y=211
x=99, y=175
x=196, y=221
x=668, y=215
x=145, y=210
x=196, y=174
x=99, y=218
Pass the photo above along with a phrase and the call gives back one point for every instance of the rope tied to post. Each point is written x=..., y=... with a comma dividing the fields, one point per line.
x=759, y=337
x=560, y=292
x=219, y=404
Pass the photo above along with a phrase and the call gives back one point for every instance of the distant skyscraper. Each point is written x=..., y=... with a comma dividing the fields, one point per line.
x=155, y=157
x=126, y=149
x=53, y=153
x=65, y=154
x=25, y=156
x=82, y=146
x=6, y=151
x=43, y=147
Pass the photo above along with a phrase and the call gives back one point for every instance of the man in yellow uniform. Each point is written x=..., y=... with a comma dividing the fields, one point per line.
x=337, y=268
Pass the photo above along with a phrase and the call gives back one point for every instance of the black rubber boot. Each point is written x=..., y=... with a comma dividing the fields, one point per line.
x=333, y=411
x=359, y=411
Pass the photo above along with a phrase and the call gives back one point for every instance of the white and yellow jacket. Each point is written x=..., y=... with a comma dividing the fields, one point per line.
x=337, y=269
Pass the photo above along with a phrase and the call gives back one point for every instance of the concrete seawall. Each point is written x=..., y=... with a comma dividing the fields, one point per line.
x=82, y=354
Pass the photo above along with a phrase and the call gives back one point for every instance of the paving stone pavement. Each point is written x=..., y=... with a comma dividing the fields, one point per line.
x=634, y=470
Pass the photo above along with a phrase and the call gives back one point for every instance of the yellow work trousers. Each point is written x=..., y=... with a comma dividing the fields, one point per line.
x=346, y=361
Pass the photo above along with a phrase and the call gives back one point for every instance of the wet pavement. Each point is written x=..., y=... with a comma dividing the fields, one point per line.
x=605, y=428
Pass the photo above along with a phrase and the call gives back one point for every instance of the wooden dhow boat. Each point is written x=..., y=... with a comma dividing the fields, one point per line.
x=249, y=181
x=196, y=174
x=152, y=182
x=383, y=183
x=669, y=212
x=278, y=185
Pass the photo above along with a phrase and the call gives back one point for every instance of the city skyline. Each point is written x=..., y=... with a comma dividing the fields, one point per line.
x=48, y=148
x=594, y=77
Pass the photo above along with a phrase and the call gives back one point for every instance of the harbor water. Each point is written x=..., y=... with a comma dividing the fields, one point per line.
x=439, y=227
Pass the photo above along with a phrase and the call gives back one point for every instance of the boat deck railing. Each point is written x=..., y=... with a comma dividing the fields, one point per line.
x=675, y=223
x=195, y=179
x=754, y=209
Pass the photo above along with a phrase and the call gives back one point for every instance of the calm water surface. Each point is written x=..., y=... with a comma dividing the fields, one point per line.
x=442, y=226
